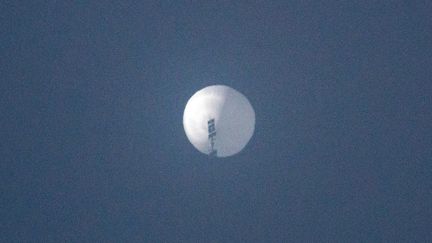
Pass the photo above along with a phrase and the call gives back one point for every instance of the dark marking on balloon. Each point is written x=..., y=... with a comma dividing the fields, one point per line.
x=212, y=136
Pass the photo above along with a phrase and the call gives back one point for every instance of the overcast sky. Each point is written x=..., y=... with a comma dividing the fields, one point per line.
x=92, y=146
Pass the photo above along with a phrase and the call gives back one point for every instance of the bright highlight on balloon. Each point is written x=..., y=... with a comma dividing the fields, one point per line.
x=219, y=121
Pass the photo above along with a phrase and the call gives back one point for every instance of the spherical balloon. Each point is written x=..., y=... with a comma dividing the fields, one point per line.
x=219, y=121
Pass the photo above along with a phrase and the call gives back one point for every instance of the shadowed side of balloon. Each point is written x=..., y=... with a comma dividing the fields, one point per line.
x=238, y=126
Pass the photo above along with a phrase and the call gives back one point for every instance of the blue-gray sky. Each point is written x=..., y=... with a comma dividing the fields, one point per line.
x=92, y=146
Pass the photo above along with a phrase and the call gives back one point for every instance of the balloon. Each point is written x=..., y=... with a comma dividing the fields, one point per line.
x=219, y=121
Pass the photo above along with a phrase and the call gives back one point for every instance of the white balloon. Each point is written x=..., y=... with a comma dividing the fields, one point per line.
x=219, y=120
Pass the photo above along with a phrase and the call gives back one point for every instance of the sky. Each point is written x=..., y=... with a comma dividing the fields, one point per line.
x=92, y=146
